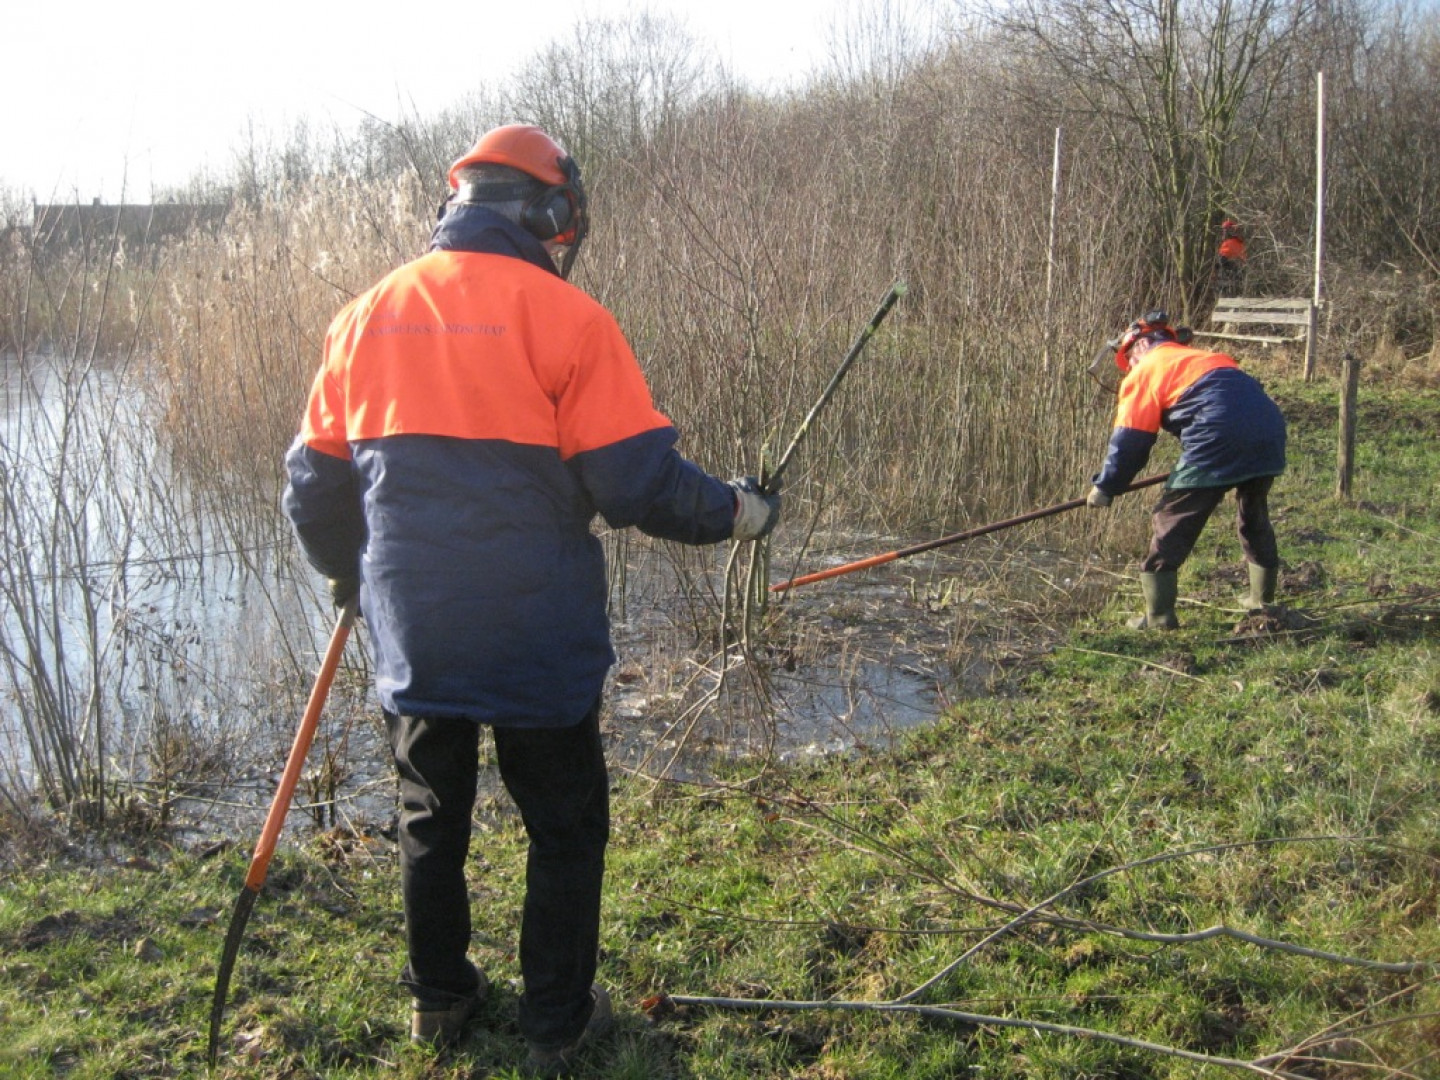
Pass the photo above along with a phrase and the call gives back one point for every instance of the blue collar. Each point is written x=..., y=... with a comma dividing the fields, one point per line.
x=471, y=227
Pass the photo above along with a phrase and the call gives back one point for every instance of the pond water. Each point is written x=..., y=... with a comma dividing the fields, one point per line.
x=133, y=626
x=169, y=643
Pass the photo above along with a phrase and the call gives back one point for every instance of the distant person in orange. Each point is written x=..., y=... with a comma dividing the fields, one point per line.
x=1230, y=260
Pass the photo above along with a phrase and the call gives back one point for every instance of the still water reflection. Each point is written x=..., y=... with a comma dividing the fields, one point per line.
x=160, y=639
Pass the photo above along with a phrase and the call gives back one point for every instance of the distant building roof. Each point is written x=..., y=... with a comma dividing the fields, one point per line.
x=68, y=224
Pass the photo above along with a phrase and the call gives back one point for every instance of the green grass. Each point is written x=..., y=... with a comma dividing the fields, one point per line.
x=1282, y=784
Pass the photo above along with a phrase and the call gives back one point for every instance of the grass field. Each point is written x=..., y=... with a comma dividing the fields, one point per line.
x=1208, y=852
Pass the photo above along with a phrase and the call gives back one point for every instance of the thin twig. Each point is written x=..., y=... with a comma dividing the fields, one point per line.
x=1152, y=937
x=1153, y=860
x=1337, y=1031
x=981, y=1019
x=1135, y=660
x=905, y=1002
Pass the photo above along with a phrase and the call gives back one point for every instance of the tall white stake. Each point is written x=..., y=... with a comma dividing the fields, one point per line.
x=1318, y=298
x=1050, y=247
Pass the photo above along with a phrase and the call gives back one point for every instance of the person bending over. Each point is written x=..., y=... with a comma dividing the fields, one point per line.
x=1232, y=438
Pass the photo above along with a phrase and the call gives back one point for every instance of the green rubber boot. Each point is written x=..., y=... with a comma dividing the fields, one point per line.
x=1262, y=585
x=1160, y=589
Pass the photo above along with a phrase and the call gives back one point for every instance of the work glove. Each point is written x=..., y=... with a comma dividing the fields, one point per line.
x=1097, y=499
x=756, y=510
x=343, y=589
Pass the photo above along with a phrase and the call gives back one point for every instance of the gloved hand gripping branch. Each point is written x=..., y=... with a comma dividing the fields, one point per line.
x=1097, y=499
x=756, y=510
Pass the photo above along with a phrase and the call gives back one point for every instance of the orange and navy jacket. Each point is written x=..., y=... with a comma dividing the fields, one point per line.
x=1229, y=428
x=472, y=414
x=1232, y=247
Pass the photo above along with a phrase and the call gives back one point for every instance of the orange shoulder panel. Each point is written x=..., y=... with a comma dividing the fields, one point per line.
x=1158, y=381
x=323, y=427
x=477, y=346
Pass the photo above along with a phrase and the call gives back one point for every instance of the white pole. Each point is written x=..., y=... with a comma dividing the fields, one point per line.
x=1050, y=247
x=1318, y=297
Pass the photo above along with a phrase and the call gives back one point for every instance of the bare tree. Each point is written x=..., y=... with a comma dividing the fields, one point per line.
x=1387, y=136
x=1183, y=89
x=613, y=85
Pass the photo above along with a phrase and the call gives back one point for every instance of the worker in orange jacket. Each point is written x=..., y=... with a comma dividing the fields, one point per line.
x=1232, y=438
x=473, y=413
x=1230, y=260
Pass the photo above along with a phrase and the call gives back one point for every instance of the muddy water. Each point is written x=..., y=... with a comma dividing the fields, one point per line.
x=143, y=639
x=841, y=667
x=848, y=667
x=195, y=637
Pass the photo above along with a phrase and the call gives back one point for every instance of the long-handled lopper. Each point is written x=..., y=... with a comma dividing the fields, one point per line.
x=953, y=538
x=770, y=479
x=279, y=807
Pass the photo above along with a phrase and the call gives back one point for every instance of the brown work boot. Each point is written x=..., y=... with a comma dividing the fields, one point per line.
x=442, y=1025
x=558, y=1060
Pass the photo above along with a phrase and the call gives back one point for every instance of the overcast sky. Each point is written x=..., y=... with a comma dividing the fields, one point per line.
x=105, y=99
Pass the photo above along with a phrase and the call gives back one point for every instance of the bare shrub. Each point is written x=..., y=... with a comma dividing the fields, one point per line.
x=115, y=577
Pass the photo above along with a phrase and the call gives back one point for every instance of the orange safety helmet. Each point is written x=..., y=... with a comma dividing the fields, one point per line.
x=1151, y=325
x=520, y=146
x=556, y=213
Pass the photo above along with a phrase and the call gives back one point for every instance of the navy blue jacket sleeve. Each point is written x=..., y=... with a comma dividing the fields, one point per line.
x=1129, y=451
x=643, y=481
x=322, y=502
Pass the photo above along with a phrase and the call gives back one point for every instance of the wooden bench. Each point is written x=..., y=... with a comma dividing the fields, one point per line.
x=1232, y=311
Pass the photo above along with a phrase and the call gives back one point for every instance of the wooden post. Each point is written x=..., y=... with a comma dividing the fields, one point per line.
x=1345, y=458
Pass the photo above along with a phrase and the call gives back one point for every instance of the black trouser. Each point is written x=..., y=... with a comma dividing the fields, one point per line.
x=1229, y=276
x=558, y=780
x=1182, y=512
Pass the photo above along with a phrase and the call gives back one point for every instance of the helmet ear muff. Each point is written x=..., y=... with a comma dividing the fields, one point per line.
x=558, y=212
x=549, y=213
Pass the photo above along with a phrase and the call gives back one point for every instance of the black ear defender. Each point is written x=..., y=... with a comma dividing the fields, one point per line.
x=549, y=214
x=1182, y=335
x=545, y=214
x=559, y=208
